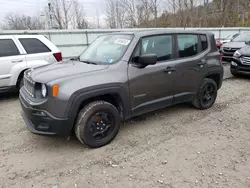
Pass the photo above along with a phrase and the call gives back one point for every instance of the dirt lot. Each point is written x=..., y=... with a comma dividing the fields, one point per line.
x=178, y=147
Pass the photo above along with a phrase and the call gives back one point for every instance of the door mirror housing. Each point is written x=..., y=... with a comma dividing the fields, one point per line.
x=247, y=42
x=148, y=59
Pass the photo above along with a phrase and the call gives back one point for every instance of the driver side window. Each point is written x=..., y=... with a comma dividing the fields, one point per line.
x=160, y=45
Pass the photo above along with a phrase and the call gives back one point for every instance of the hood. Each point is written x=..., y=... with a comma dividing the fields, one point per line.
x=47, y=73
x=245, y=50
x=234, y=45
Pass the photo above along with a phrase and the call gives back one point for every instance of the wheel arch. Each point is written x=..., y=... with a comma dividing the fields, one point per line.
x=114, y=95
x=216, y=76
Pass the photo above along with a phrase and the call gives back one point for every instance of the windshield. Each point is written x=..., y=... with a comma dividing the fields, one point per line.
x=242, y=38
x=106, y=49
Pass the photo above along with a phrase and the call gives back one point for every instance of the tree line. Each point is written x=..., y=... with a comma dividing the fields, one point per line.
x=60, y=14
x=65, y=14
x=177, y=13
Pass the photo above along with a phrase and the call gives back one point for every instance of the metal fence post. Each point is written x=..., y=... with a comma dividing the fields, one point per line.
x=49, y=35
x=87, y=38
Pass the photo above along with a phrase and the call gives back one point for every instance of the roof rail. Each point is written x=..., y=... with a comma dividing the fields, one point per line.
x=24, y=33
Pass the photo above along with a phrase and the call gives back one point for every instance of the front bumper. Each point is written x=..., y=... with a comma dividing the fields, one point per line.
x=240, y=68
x=42, y=122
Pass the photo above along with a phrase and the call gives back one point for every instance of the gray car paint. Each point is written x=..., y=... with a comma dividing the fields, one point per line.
x=141, y=89
x=245, y=51
x=234, y=45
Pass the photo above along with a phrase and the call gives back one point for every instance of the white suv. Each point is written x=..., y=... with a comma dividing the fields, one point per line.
x=21, y=52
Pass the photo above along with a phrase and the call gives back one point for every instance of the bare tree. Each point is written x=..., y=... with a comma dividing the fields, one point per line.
x=79, y=18
x=115, y=13
x=131, y=8
x=111, y=13
x=61, y=13
x=144, y=12
x=22, y=22
x=190, y=5
x=155, y=4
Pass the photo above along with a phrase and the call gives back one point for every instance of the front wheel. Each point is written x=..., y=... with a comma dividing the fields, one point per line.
x=234, y=73
x=97, y=124
x=207, y=95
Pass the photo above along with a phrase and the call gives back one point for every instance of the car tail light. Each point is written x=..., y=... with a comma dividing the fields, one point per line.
x=58, y=56
x=220, y=58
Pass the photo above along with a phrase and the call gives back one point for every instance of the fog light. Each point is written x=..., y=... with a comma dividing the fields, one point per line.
x=39, y=114
x=234, y=64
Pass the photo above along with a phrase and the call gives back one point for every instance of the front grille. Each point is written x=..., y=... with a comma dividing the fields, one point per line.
x=245, y=60
x=29, y=86
x=230, y=50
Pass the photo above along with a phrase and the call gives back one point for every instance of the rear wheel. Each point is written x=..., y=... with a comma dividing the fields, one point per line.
x=97, y=124
x=207, y=95
x=20, y=82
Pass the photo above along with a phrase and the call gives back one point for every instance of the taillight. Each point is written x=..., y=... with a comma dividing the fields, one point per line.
x=58, y=56
x=220, y=58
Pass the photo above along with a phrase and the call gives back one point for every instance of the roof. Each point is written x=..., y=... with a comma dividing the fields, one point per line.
x=141, y=33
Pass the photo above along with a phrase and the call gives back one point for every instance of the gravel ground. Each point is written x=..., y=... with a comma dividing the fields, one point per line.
x=171, y=148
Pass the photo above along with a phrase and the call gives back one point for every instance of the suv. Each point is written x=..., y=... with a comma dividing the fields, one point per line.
x=228, y=49
x=119, y=76
x=241, y=61
x=21, y=52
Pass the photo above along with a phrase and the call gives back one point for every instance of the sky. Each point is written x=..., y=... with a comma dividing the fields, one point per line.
x=34, y=7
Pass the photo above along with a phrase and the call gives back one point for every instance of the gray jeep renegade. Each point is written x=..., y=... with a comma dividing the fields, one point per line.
x=119, y=76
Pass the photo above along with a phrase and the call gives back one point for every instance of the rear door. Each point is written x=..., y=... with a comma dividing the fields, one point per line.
x=191, y=65
x=11, y=58
x=36, y=49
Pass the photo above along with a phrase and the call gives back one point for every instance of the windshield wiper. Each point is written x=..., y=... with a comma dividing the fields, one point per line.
x=89, y=62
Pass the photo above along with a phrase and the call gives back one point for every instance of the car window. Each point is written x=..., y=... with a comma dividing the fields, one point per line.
x=159, y=45
x=8, y=48
x=242, y=38
x=187, y=45
x=107, y=49
x=204, y=44
x=33, y=46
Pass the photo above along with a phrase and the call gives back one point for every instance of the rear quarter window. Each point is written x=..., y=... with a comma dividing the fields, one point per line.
x=33, y=46
x=204, y=43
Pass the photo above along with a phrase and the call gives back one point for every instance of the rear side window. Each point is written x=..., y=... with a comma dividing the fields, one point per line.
x=8, y=48
x=160, y=45
x=187, y=45
x=34, y=46
x=204, y=44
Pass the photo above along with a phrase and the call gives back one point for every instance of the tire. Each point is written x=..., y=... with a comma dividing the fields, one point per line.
x=234, y=73
x=93, y=120
x=20, y=82
x=203, y=100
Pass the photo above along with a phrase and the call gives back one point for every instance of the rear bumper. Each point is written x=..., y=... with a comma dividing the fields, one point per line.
x=43, y=123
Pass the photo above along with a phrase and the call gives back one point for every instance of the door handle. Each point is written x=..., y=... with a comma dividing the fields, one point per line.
x=17, y=61
x=202, y=62
x=169, y=70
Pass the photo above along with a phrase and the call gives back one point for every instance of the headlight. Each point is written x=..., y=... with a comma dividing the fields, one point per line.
x=237, y=54
x=44, y=90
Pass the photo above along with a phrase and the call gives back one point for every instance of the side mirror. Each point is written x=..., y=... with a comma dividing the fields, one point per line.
x=75, y=58
x=148, y=59
x=247, y=43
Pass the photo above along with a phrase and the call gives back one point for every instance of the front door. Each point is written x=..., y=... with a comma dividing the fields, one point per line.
x=151, y=87
x=9, y=57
